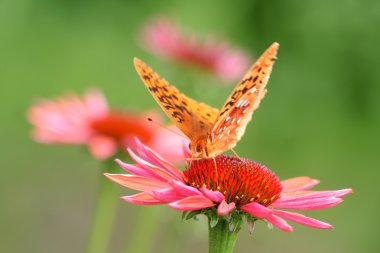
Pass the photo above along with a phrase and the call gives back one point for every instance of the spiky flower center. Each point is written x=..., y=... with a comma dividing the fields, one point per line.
x=240, y=180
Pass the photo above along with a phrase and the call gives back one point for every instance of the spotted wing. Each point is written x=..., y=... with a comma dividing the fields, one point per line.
x=194, y=119
x=237, y=111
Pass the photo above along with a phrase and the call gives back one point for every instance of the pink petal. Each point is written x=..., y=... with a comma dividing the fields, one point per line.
x=167, y=195
x=215, y=196
x=301, y=219
x=165, y=38
x=64, y=120
x=137, y=182
x=312, y=204
x=184, y=189
x=148, y=154
x=224, y=208
x=232, y=65
x=186, y=150
x=170, y=141
x=96, y=103
x=298, y=184
x=134, y=169
x=178, y=191
x=262, y=212
x=306, y=195
x=102, y=147
x=143, y=198
x=279, y=222
x=257, y=210
x=192, y=203
x=155, y=171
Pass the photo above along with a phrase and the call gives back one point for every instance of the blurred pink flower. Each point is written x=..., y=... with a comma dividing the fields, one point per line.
x=163, y=37
x=227, y=184
x=89, y=121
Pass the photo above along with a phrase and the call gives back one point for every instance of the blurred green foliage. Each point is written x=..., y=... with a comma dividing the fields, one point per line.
x=320, y=117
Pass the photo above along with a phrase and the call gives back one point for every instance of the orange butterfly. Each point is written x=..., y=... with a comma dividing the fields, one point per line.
x=211, y=131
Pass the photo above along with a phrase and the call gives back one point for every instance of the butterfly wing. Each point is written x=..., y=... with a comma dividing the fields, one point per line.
x=237, y=111
x=194, y=119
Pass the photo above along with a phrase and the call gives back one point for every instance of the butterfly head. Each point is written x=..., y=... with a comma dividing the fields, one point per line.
x=202, y=148
x=198, y=148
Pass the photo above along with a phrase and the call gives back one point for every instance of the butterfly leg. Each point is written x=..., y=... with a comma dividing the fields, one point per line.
x=216, y=173
x=233, y=151
x=193, y=158
x=190, y=159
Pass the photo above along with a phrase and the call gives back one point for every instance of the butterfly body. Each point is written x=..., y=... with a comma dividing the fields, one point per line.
x=202, y=148
x=212, y=131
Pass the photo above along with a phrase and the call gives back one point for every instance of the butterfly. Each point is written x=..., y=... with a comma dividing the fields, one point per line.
x=212, y=131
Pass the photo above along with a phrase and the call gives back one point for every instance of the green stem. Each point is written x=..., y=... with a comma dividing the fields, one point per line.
x=106, y=206
x=145, y=229
x=221, y=240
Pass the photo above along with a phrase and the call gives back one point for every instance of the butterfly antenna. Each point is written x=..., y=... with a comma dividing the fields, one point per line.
x=166, y=128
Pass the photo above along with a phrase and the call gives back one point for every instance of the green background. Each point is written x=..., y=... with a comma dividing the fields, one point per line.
x=320, y=117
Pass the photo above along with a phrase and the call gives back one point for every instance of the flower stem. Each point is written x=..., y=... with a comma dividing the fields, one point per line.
x=104, y=215
x=221, y=239
x=145, y=226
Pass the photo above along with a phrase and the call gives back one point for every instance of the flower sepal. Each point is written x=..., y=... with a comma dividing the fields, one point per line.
x=269, y=225
x=250, y=222
x=213, y=217
x=234, y=219
x=188, y=215
x=235, y=224
x=210, y=213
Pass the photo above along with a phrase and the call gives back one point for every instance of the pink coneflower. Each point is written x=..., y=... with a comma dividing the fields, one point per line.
x=227, y=186
x=163, y=37
x=88, y=121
